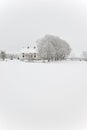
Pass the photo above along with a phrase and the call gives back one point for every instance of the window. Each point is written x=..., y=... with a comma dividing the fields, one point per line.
x=28, y=47
x=23, y=55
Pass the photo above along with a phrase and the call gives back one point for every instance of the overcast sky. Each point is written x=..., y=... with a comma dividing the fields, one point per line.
x=22, y=22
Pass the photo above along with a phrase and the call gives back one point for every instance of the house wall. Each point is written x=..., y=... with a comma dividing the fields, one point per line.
x=28, y=56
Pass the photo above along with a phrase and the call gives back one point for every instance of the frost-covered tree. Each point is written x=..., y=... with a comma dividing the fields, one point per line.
x=53, y=48
x=2, y=55
x=84, y=55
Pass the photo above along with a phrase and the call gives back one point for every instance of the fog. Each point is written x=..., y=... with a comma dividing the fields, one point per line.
x=22, y=22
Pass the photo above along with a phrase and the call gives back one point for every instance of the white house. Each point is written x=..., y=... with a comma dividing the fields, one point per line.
x=28, y=53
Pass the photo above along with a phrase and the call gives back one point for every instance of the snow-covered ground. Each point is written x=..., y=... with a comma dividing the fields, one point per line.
x=43, y=96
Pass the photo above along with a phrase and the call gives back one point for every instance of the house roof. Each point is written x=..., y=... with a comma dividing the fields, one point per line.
x=29, y=50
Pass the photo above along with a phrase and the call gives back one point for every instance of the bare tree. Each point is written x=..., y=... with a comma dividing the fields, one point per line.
x=53, y=48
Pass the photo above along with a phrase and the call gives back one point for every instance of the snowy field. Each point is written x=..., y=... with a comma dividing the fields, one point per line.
x=43, y=96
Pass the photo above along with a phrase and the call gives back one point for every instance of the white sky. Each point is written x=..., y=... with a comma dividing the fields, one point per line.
x=28, y=20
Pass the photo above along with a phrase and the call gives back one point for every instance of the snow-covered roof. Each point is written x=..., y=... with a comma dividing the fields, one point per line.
x=29, y=50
